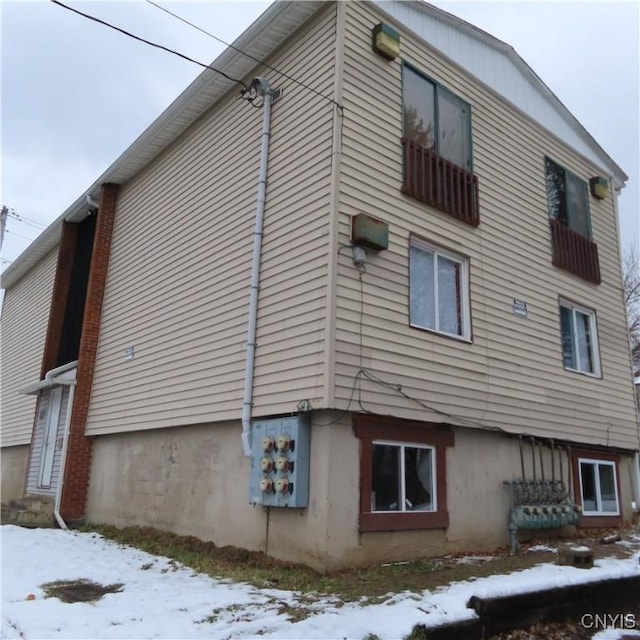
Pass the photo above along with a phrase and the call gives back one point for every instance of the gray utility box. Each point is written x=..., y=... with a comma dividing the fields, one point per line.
x=280, y=462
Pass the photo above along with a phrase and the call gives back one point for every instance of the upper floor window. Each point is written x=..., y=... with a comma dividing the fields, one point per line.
x=436, y=119
x=437, y=147
x=438, y=290
x=579, y=339
x=568, y=199
x=573, y=249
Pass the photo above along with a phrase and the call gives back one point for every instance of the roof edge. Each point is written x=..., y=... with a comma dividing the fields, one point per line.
x=149, y=144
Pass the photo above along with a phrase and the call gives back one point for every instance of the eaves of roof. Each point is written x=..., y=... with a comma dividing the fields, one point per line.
x=278, y=22
x=619, y=176
x=262, y=37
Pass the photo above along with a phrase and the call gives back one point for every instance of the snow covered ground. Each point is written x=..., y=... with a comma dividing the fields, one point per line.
x=161, y=599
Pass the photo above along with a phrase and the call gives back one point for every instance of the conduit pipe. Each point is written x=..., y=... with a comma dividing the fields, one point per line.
x=635, y=480
x=63, y=456
x=261, y=86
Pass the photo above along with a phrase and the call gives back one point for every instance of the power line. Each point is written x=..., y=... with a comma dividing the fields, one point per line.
x=152, y=44
x=244, y=53
x=17, y=235
x=27, y=221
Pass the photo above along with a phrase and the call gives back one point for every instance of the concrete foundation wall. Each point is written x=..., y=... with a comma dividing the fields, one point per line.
x=13, y=466
x=194, y=480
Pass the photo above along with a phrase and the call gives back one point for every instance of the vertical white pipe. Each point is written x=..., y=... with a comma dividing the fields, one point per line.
x=635, y=480
x=263, y=87
x=63, y=458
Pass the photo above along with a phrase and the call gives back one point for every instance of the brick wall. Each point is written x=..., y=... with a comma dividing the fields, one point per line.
x=76, y=475
x=64, y=270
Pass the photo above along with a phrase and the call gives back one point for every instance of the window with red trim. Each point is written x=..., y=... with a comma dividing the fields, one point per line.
x=402, y=473
x=597, y=487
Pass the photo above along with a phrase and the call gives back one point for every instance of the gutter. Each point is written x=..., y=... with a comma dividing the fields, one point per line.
x=54, y=377
x=63, y=459
x=261, y=86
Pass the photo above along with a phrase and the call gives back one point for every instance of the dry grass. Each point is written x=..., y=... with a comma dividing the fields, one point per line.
x=370, y=583
x=79, y=590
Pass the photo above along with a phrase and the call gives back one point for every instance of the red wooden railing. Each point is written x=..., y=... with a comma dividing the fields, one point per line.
x=575, y=253
x=440, y=183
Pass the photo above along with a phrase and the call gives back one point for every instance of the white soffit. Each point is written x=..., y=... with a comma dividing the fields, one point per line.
x=497, y=65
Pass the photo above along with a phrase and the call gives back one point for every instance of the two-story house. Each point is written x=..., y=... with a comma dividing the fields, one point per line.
x=330, y=319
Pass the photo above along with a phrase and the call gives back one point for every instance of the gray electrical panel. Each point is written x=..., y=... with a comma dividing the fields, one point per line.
x=280, y=462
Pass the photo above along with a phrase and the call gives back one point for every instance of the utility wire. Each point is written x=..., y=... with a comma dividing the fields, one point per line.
x=17, y=235
x=244, y=53
x=27, y=221
x=152, y=44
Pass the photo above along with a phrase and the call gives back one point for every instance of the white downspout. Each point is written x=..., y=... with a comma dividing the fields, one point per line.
x=63, y=456
x=635, y=481
x=261, y=86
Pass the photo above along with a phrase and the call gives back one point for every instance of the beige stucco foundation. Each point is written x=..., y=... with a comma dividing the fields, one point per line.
x=13, y=463
x=194, y=480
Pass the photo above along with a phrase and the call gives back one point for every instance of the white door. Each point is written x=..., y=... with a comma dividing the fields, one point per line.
x=50, y=437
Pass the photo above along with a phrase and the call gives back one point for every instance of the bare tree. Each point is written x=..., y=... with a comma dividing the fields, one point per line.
x=631, y=286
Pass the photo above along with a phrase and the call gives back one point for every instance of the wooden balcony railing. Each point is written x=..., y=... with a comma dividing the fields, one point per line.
x=575, y=253
x=440, y=183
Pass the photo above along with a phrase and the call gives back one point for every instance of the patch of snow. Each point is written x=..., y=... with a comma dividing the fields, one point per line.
x=540, y=548
x=473, y=559
x=615, y=634
x=162, y=599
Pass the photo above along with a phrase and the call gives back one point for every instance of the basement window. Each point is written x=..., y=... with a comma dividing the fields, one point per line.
x=597, y=487
x=402, y=473
x=402, y=477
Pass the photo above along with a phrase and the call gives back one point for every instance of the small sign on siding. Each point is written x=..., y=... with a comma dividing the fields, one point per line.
x=520, y=308
x=129, y=353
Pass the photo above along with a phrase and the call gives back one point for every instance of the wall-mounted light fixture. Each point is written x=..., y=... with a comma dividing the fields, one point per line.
x=369, y=232
x=385, y=41
x=599, y=187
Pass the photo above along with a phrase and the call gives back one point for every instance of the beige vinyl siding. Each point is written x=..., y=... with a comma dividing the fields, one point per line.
x=25, y=316
x=510, y=376
x=178, y=283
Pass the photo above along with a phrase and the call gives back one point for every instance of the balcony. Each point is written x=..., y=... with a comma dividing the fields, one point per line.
x=575, y=253
x=440, y=183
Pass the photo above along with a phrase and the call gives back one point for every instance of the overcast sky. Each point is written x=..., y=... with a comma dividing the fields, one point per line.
x=75, y=94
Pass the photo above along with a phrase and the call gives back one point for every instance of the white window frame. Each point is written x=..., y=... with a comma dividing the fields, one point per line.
x=403, y=494
x=465, y=319
x=595, y=342
x=596, y=462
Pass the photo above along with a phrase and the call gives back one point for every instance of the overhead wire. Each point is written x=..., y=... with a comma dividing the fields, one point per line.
x=27, y=221
x=149, y=42
x=248, y=55
x=17, y=235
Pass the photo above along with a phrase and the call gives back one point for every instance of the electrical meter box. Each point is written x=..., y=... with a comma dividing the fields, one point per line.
x=280, y=462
